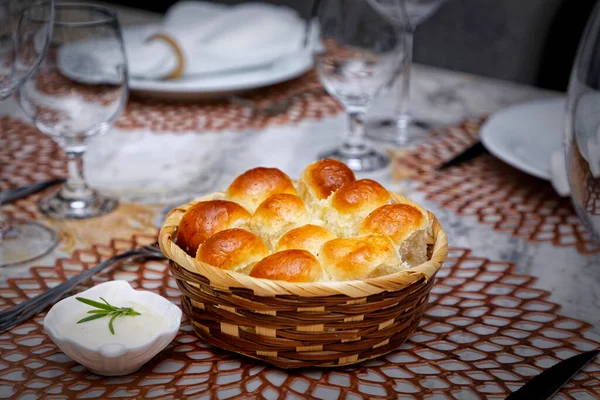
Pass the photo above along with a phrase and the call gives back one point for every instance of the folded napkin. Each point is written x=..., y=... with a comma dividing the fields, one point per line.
x=201, y=38
x=560, y=181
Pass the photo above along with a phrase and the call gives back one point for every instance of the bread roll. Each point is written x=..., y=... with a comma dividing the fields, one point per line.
x=405, y=225
x=289, y=265
x=232, y=249
x=359, y=257
x=308, y=237
x=320, y=179
x=278, y=214
x=351, y=203
x=206, y=218
x=337, y=229
x=255, y=185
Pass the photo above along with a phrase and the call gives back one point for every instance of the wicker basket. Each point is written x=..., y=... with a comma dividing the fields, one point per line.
x=294, y=325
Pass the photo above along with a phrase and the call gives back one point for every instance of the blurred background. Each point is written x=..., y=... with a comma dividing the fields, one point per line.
x=532, y=41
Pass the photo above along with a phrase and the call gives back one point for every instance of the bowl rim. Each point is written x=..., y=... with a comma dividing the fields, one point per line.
x=223, y=279
x=49, y=322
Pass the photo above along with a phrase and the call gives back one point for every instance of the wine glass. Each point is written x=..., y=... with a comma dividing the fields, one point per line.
x=359, y=55
x=76, y=94
x=582, y=133
x=22, y=241
x=17, y=64
x=406, y=15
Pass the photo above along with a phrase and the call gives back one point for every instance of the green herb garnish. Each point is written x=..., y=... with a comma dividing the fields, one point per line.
x=105, y=310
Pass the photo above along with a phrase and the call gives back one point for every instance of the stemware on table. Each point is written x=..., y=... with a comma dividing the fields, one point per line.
x=360, y=54
x=17, y=63
x=72, y=108
x=22, y=241
x=582, y=133
x=406, y=15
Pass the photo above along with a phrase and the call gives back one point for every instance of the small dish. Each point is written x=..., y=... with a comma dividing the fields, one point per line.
x=113, y=354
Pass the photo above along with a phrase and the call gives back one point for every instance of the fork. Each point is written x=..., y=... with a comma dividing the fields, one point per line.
x=29, y=308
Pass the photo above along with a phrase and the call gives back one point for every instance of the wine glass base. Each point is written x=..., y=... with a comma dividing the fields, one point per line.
x=367, y=161
x=59, y=207
x=26, y=241
x=388, y=131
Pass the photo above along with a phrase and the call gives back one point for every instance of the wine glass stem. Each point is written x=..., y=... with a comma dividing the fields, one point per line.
x=75, y=187
x=355, y=138
x=403, y=103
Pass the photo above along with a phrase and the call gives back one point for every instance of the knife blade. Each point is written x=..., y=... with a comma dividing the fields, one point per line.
x=468, y=154
x=11, y=195
x=546, y=384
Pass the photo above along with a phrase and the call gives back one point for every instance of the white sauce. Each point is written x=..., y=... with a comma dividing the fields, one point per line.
x=129, y=330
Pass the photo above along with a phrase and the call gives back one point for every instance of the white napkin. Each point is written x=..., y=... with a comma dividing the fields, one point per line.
x=211, y=38
x=560, y=181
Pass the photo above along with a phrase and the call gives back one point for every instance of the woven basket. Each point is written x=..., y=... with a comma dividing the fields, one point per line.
x=294, y=325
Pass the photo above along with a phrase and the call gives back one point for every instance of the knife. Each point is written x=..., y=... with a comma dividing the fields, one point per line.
x=546, y=384
x=11, y=195
x=466, y=155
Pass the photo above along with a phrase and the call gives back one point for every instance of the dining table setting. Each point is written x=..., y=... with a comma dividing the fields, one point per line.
x=237, y=201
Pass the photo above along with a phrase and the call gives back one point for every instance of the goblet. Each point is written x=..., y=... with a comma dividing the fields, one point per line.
x=582, y=133
x=360, y=54
x=406, y=15
x=22, y=241
x=76, y=94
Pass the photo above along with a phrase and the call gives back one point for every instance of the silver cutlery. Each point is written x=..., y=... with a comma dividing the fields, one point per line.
x=29, y=308
x=11, y=195
x=468, y=154
x=546, y=384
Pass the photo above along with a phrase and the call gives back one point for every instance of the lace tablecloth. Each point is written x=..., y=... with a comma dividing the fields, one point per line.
x=486, y=332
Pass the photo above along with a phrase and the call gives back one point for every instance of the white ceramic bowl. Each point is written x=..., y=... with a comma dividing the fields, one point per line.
x=112, y=359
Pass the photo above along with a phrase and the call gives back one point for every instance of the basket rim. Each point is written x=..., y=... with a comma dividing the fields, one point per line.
x=224, y=279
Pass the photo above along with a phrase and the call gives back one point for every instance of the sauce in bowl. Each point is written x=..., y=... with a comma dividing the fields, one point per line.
x=130, y=330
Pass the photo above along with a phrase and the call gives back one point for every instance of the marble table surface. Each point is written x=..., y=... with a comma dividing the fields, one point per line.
x=441, y=97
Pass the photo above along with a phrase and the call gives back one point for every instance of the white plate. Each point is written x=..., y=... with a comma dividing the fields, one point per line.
x=217, y=85
x=525, y=135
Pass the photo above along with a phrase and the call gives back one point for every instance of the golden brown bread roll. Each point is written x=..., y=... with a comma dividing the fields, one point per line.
x=255, y=185
x=232, y=249
x=308, y=237
x=359, y=257
x=278, y=214
x=339, y=228
x=206, y=218
x=289, y=265
x=350, y=204
x=405, y=225
x=320, y=179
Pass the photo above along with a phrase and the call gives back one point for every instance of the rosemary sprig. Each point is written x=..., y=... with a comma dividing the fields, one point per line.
x=105, y=309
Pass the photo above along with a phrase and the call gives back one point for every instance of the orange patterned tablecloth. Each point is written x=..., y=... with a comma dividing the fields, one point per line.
x=494, y=192
x=310, y=102
x=486, y=332
x=27, y=156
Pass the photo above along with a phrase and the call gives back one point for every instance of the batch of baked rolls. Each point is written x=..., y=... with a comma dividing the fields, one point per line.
x=327, y=226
